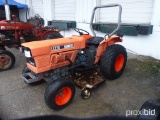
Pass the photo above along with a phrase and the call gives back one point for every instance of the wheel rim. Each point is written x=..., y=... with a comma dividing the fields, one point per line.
x=119, y=63
x=5, y=61
x=63, y=96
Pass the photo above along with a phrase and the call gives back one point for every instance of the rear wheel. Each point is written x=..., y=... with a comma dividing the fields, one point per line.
x=53, y=35
x=59, y=93
x=113, y=61
x=7, y=60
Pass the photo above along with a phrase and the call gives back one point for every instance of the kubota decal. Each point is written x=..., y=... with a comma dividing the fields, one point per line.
x=62, y=47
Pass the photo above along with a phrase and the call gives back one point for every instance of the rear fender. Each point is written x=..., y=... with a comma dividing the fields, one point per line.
x=104, y=45
x=46, y=33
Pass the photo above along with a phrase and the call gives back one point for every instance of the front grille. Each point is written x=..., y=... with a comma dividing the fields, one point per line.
x=31, y=61
x=43, y=62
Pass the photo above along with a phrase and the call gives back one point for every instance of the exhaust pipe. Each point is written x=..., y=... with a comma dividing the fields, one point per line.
x=7, y=11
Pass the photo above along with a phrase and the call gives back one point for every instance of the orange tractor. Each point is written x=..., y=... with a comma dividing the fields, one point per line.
x=61, y=61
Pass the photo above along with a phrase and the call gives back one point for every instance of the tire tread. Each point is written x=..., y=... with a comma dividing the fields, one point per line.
x=107, y=61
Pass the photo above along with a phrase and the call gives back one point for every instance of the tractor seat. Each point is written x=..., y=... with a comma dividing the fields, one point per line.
x=95, y=40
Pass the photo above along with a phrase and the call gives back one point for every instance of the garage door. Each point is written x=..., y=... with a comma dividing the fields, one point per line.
x=65, y=9
x=37, y=7
x=133, y=11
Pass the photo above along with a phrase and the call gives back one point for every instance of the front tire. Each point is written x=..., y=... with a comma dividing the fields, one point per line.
x=59, y=93
x=7, y=60
x=113, y=61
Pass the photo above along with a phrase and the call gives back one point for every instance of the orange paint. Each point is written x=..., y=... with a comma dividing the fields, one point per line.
x=63, y=96
x=104, y=45
x=119, y=63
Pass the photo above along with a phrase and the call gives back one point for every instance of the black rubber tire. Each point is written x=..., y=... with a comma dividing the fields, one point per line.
x=12, y=57
x=151, y=105
x=108, y=60
x=53, y=89
x=53, y=35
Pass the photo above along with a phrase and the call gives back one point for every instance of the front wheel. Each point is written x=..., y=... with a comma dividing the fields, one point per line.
x=113, y=61
x=7, y=60
x=59, y=93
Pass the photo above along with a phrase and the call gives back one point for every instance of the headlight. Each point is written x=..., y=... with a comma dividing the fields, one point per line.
x=27, y=53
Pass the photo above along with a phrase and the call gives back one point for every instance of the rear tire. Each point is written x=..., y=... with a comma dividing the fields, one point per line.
x=59, y=93
x=113, y=61
x=7, y=60
x=53, y=35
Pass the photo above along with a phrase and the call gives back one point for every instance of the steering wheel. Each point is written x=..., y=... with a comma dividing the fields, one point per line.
x=80, y=31
x=38, y=18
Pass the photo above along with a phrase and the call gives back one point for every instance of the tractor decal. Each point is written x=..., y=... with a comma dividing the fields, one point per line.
x=63, y=47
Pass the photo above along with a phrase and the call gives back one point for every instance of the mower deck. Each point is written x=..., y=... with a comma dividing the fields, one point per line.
x=89, y=79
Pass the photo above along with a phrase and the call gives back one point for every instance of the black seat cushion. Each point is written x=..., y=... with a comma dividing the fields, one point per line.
x=95, y=40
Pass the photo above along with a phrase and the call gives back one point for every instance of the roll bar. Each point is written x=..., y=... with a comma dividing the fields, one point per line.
x=105, y=6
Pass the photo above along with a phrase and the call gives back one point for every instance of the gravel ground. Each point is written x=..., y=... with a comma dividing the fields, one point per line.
x=139, y=82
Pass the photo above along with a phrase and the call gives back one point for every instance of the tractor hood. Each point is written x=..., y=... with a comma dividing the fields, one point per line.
x=17, y=25
x=38, y=48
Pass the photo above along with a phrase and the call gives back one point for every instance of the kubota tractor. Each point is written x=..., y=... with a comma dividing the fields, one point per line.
x=58, y=61
x=13, y=33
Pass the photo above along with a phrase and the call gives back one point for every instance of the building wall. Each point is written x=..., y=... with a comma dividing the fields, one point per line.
x=134, y=11
x=142, y=44
x=37, y=7
x=65, y=10
x=22, y=12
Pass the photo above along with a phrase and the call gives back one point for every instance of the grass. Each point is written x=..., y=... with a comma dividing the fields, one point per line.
x=147, y=68
x=150, y=67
